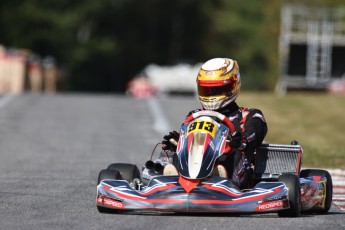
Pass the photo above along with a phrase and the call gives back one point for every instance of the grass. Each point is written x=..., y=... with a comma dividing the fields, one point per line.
x=316, y=121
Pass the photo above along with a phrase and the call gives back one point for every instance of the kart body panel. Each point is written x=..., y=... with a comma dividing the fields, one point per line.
x=313, y=193
x=165, y=193
x=217, y=194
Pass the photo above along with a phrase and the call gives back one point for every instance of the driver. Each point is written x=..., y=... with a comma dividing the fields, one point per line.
x=219, y=83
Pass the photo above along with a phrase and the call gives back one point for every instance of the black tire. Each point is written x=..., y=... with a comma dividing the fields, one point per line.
x=128, y=171
x=292, y=183
x=329, y=187
x=108, y=174
x=103, y=175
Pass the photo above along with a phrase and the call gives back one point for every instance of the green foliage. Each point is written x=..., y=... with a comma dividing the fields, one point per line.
x=102, y=44
x=314, y=120
x=247, y=31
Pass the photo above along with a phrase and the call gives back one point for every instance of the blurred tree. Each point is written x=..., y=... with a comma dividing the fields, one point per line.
x=102, y=44
x=247, y=31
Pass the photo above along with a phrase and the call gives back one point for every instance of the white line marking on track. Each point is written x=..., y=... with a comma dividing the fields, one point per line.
x=161, y=124
x=6, y=99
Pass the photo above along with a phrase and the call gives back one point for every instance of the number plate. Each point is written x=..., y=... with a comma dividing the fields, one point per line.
x=203, y=126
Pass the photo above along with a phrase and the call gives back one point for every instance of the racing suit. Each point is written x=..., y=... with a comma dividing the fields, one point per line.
x=251, y=126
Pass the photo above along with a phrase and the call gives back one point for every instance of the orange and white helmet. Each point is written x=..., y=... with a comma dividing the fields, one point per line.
x=219, y=83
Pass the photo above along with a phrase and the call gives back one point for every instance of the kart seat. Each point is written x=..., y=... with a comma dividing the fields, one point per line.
x=170, y=170
x=220, y=171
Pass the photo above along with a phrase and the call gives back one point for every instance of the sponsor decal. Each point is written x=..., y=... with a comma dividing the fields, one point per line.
x=307, y=192
x=271, y=205
x=110, y=202
x=251, y=137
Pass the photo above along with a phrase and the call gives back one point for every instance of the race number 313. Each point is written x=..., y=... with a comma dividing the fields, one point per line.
x=205, y=126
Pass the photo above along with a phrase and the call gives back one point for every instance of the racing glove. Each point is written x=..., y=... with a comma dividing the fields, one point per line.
x=237, y=139
x=170, y=141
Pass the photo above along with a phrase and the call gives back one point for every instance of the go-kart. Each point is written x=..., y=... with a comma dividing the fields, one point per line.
x=279, y=184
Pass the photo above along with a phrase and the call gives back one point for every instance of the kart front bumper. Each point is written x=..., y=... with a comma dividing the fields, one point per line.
x=165, y=193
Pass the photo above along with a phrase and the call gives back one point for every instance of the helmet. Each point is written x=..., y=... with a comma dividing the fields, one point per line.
x=218, y=83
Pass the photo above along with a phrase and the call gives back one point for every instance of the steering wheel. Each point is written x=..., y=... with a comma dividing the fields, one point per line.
x=210, y=113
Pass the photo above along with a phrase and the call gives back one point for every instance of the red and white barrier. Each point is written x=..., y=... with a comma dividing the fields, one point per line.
x=338, y=177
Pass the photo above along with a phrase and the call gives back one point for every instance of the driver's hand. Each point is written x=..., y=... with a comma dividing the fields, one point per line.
x=170, y=141
x=236, y=140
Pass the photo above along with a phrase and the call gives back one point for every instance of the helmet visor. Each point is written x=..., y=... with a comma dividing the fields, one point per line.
x=206, y=91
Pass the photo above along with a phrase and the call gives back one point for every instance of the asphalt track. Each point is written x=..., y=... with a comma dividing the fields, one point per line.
x=53, y=146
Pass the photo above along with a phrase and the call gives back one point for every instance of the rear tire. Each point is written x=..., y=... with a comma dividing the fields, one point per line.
x=292, y=183
x=329, y=187
x=128, y=171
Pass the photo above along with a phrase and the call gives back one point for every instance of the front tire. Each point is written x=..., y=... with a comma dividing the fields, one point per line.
x=329, y=187
x=105, y=174
x=108, y=174
x=291, y=181
x=128, y=172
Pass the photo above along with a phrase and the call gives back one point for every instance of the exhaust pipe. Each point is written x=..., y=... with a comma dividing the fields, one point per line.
x=158, y=167
x=155, y=166
x=149, y=165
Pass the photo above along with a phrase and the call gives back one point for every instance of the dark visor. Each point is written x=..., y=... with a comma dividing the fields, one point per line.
x=215, y=90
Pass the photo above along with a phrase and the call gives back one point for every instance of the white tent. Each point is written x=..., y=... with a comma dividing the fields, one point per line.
x=178, y=78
